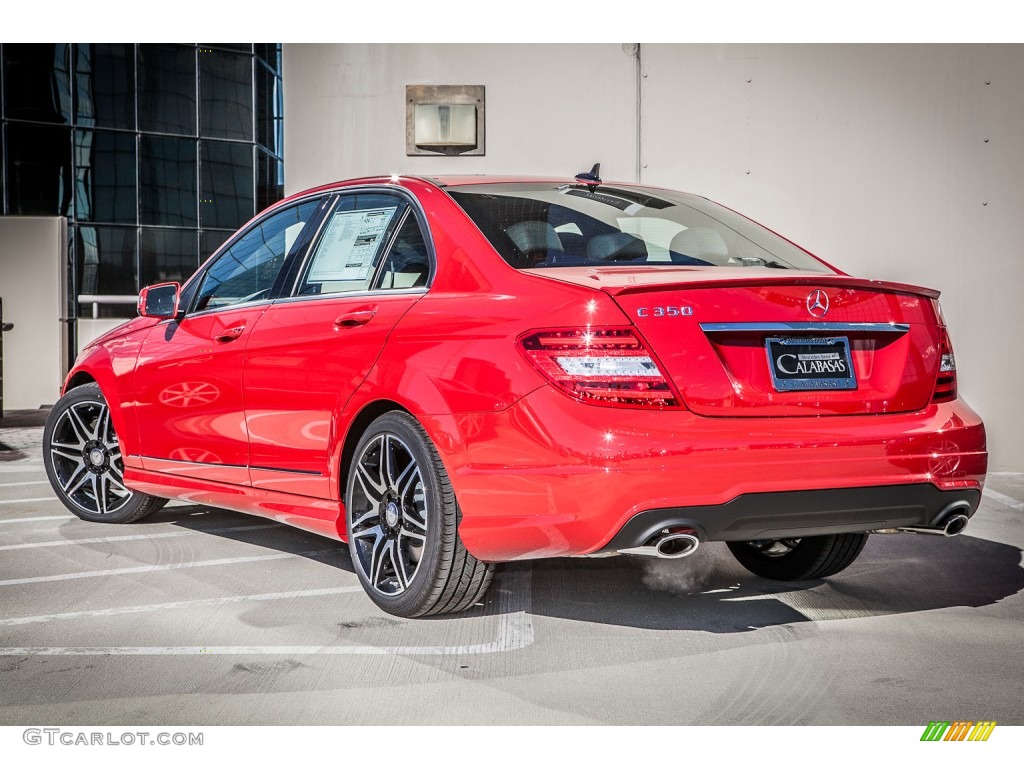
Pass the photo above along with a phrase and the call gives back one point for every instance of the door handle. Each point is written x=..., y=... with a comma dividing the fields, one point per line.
x=230, y=334
x=352, y=319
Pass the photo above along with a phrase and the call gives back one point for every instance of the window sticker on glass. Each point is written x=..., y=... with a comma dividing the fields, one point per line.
x=350, y=245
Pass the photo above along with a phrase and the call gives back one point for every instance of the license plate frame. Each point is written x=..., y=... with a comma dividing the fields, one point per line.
x=808, y=364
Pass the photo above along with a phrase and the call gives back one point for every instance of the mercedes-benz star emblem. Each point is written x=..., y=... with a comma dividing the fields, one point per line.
x=817, y=303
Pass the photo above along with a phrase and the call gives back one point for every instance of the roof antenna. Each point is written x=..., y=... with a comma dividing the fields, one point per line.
x=591, y=179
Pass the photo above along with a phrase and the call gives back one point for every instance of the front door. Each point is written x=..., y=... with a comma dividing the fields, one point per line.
x=189, y=386
x=188, y=378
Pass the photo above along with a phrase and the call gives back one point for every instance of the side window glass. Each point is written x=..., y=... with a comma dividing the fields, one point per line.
x=353, y=241
x=407, y=264
x=248, y=269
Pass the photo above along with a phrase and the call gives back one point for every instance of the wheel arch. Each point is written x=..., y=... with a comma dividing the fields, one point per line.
x=442, y=429
x=366, y=415
x=98, y=368
x=78, y=379
x=110, y=364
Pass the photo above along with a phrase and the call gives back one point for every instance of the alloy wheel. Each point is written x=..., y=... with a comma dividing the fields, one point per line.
x=389, y=514
x=86, y=459
x=774, y=547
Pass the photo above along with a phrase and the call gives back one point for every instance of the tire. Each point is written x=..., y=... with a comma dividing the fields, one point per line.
x=82, y=456
x=402, y=521
x=812, y=557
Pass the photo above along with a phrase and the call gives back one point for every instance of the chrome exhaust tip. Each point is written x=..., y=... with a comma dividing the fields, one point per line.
x=950, y=523
x=668, y=546
x=677, y=545
x=955, y=525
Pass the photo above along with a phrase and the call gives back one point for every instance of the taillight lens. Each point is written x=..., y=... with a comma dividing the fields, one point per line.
x=603, y=366
x=945, y=384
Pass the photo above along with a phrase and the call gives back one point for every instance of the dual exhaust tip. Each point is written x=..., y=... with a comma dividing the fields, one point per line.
x=672, y=545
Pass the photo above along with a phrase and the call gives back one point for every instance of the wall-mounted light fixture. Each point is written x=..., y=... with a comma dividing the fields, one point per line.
x=444, y=120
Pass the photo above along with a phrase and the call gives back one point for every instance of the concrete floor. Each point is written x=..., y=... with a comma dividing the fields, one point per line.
x=202, y=616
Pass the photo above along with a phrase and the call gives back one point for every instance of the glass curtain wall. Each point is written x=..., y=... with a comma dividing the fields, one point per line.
x=156, y=153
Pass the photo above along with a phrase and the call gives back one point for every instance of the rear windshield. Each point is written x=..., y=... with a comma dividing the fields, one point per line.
x=569, y=225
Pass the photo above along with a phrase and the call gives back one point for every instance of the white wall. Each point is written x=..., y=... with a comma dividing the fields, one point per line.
x=89, y=329
x=345, y=109
x=32, y=250
x=873, y=157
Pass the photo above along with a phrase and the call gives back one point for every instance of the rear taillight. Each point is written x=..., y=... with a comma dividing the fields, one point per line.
x=945, y=384
x=603, y=366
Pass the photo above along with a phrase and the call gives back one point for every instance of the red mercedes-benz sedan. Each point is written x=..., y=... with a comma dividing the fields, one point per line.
x=451, y=373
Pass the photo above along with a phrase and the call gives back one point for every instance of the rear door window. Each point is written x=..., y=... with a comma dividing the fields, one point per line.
x=357, y=232
x=407, y=264
x=370, y=241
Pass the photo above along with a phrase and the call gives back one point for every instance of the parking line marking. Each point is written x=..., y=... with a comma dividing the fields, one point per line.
x=167, y=567
x=25, y=501
x=68, y=516
x=1002, y=498
x=180, y=604
x=134, y=537
x=27, y=482
x=515, y=632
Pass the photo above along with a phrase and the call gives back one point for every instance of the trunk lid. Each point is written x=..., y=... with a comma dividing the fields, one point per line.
x=710, y=330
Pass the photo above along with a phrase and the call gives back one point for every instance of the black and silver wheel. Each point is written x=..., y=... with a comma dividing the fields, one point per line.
x=83, y=461
x=402, y=522
x=811, y=557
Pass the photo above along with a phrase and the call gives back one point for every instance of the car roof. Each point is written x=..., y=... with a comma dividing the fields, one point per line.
x=453, y=180
x=458, y=180
x=443, y=180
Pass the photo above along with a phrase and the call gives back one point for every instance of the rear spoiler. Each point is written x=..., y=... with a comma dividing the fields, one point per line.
x=840, y=281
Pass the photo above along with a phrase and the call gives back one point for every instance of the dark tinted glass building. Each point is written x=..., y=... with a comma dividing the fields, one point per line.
x=154, y=153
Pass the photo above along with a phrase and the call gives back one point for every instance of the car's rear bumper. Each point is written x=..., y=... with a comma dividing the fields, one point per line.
x=550, y=476
x=794, y=514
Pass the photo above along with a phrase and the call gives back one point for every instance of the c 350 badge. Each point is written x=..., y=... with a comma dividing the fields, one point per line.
x=679, y=311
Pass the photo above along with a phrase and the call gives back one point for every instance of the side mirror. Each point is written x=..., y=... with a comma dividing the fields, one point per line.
x=159, y=300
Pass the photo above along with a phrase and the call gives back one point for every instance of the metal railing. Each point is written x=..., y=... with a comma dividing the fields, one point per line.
x=4, y=328
x=97, y=299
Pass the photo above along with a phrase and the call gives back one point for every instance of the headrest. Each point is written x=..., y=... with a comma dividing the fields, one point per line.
x=618, y=246
x=700, y=243
x=534, y=236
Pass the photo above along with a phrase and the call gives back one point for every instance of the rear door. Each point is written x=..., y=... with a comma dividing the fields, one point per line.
x=311, y=351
